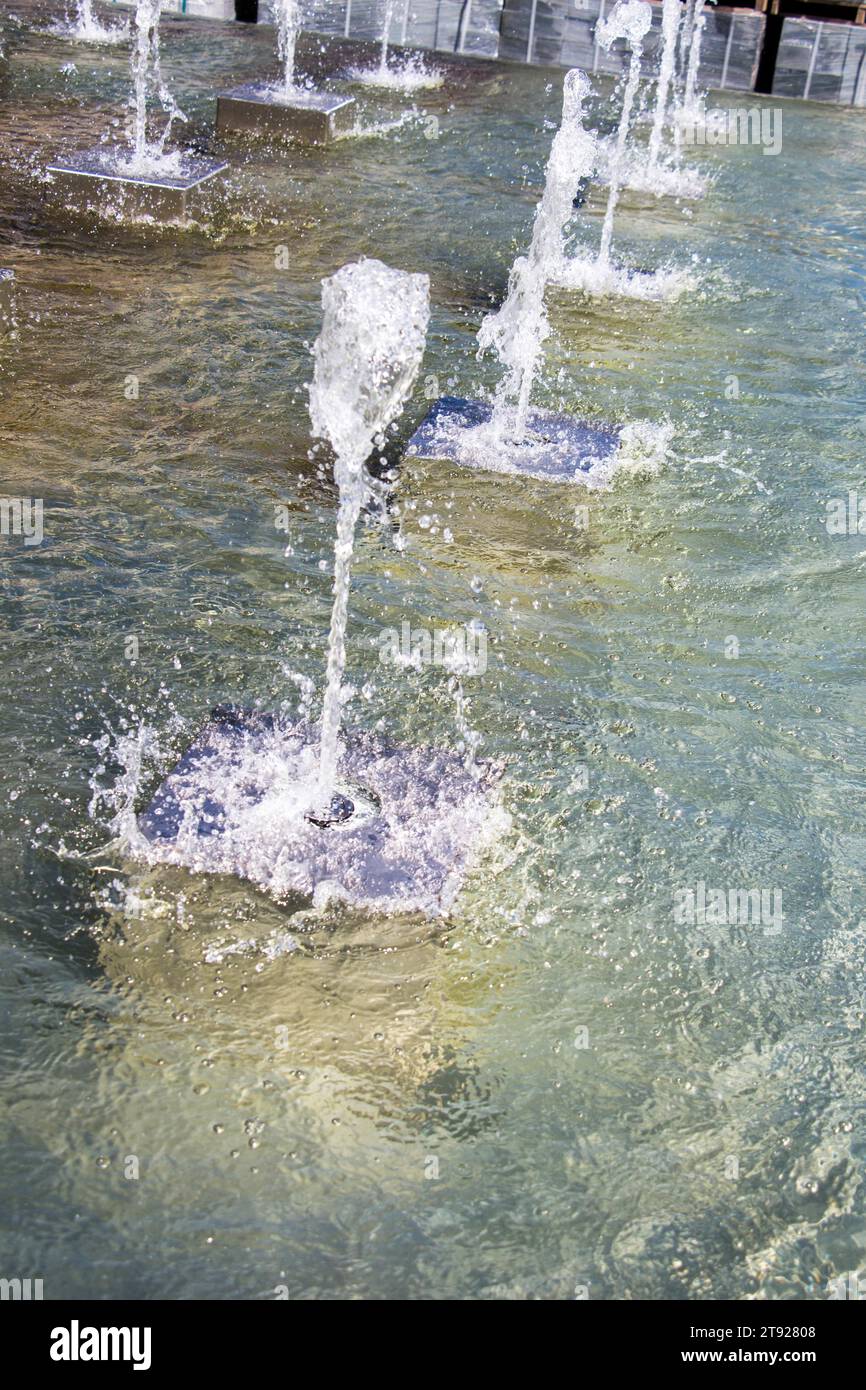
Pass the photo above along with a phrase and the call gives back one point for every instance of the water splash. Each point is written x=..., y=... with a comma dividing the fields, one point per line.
x=86, y=28
x=517, y=331
x=129, y=756
x=366, y=358
x=411, y=74
x=605, y=280
x=149, y=157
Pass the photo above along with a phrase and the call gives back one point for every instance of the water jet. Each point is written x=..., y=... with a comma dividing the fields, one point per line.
x=659, y=171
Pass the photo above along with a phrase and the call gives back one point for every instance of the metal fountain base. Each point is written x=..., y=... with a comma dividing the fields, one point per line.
x=400, y=834
x=556, y=447
x=90, y=178
x=312, y=118
x=7, y=289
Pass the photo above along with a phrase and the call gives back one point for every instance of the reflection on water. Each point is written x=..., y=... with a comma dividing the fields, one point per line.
x=561, y=1085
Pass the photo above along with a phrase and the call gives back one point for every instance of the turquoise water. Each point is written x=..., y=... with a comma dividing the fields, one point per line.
x=562, y=1088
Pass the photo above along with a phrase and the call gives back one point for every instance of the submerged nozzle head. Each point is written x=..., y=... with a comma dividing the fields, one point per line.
x=337, y=812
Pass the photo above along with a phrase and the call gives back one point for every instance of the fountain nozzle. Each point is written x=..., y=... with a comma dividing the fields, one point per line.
x=337, y=812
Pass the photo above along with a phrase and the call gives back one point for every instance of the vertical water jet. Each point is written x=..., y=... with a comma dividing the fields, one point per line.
x=366, y=358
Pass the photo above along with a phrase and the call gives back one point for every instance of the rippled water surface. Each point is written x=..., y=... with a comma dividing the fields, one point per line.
x=562, y=1087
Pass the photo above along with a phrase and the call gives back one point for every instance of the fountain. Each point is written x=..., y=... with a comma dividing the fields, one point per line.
x=87, y=28
x=331, y=813
x=285, y=108
x=509, y=436
x=597, y=275
x=143, y=178
x=410, y=74
x=656, y=172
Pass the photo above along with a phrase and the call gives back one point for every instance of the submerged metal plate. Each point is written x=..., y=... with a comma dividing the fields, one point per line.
x=314, y=118
x=557, y=446
x=231, y=806
x=92, y=175
x=7, y=282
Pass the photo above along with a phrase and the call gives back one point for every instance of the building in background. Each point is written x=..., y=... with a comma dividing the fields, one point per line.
x=790, y=48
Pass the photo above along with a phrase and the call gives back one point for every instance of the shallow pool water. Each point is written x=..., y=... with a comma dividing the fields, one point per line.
x=562, y=1088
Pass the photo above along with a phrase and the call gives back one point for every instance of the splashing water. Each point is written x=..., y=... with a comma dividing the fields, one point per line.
x=86, y=28
x=366, y=358
x=149, y=157
x=629, y=20
x=517, y=331
x=410, y=75
x=138, y=750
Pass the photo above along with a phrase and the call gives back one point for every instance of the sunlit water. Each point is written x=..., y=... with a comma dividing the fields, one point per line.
x=347, y=1106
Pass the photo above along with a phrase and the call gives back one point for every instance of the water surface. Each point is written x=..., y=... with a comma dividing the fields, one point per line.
x=562, y=1088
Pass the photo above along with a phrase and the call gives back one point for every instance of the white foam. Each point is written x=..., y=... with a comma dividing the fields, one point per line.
x=408, y=74
x=605, y=280
x=86, y=28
